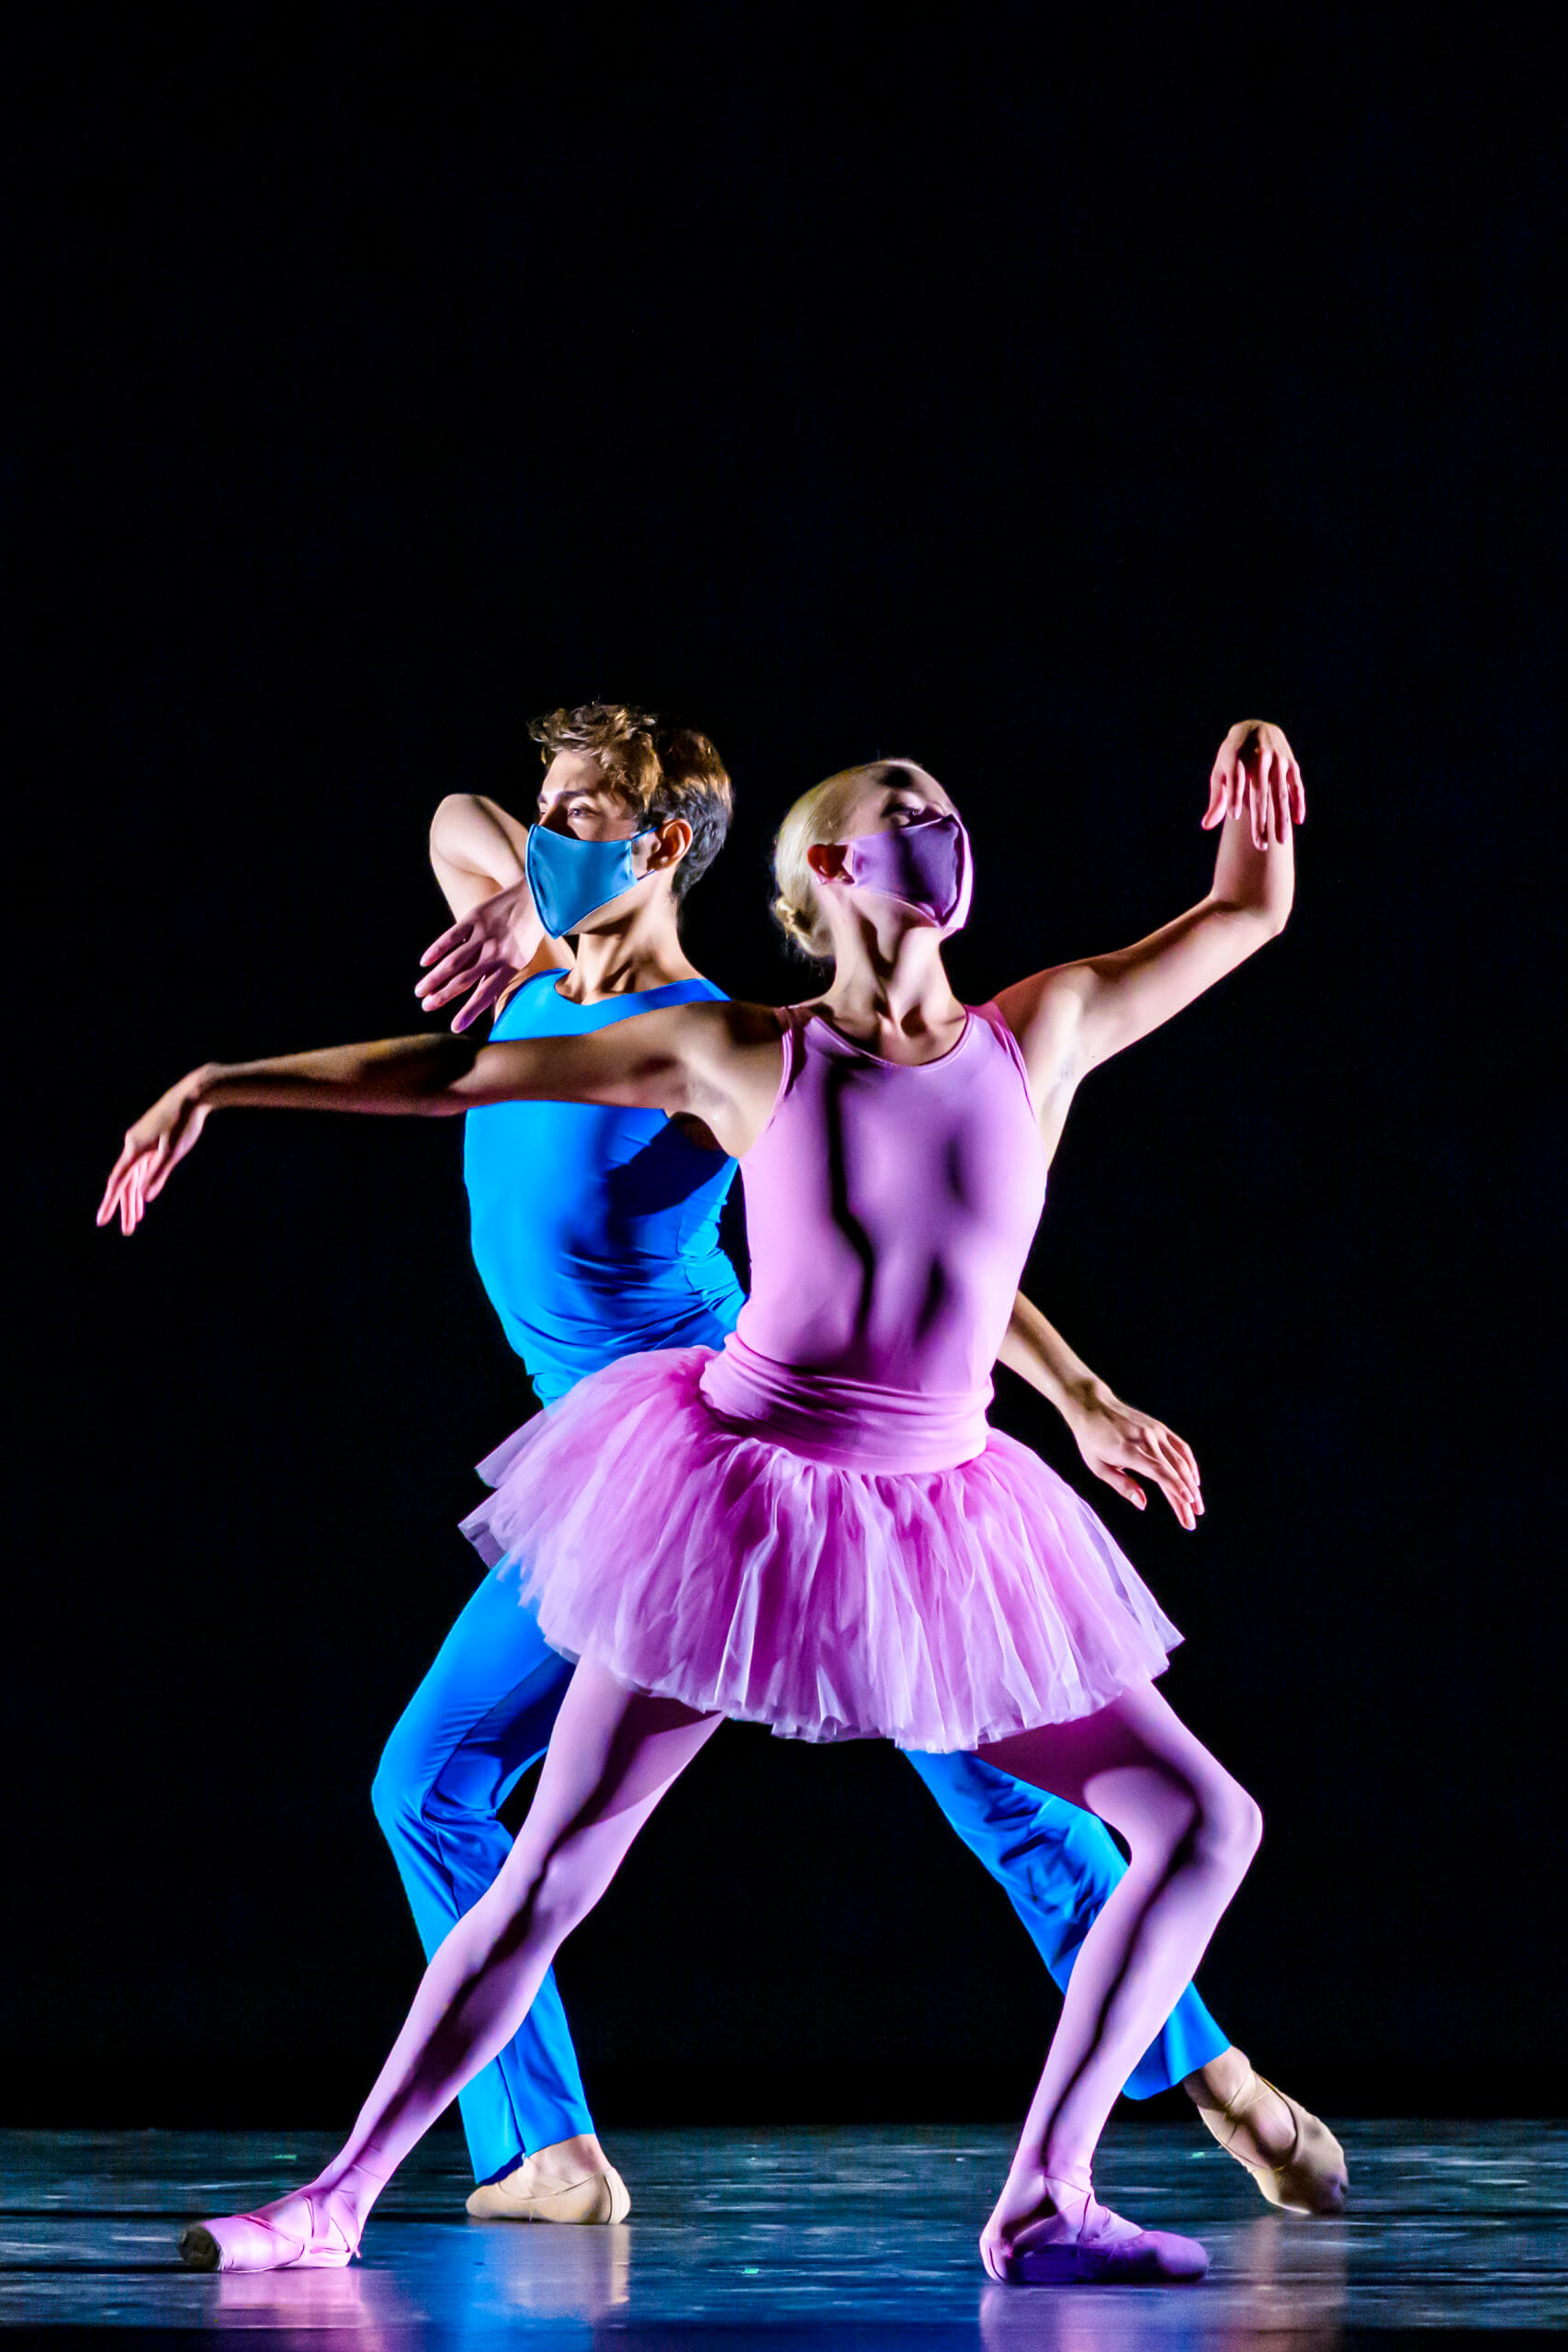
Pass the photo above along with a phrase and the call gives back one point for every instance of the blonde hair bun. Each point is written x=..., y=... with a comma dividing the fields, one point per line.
x=817, y=817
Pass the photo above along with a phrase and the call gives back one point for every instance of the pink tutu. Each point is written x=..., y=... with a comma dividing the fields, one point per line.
x=937, y=1608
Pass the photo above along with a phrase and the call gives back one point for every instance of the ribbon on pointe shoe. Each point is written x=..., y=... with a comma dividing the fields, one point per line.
x=1313, y=2179
x=1105, y=2250
x=254, y=2241
x=596, y=2197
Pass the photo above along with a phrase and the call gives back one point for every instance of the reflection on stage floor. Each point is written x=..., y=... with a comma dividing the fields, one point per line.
x=785, y=2239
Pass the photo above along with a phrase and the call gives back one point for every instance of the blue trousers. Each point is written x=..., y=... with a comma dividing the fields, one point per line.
x=483, y=1715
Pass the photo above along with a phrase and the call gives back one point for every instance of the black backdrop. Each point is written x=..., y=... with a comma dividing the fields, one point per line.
x=1033, y=393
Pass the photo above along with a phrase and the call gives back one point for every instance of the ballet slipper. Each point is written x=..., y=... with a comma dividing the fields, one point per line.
x=303, y=2231
x=1313, y=2179
x=540, y=2191
x=1097, y=2248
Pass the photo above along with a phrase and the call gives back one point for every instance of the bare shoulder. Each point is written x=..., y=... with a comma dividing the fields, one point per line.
x=1044, y=1012
x=753, y=1025
x=720, y=1019
x=734, y=1056
x=735, y=1032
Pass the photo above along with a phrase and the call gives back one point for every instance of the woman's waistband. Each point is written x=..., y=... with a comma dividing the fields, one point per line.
x=854, y=1424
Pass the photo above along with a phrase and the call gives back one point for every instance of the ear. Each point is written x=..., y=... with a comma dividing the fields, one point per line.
x=670, y=844
x=825, y=860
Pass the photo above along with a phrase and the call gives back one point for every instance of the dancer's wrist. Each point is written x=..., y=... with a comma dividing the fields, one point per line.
x=1085, y=1396
x=203, y=1088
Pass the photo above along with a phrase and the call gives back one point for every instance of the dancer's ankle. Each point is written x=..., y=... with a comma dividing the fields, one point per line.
x=1218, y=2081
x=352, y=2186
x=1262, y=2126
x=1063, y=2181
x=566, y=2162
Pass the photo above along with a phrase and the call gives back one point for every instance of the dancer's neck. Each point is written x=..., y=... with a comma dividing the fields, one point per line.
x=644, y=952
x=890, y=992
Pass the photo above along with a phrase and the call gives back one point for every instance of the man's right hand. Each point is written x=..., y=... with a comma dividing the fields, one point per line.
x=481, y=955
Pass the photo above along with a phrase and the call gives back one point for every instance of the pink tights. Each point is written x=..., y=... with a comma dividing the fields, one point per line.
x=1190, y=1828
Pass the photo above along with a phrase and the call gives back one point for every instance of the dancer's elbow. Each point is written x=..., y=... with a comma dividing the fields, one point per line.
x=1252, y=922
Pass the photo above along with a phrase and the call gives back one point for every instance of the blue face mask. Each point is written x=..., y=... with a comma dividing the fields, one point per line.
x=572, y=879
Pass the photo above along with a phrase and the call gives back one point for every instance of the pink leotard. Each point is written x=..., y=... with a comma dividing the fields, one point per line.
x=816, y=1528
x=890, y=1209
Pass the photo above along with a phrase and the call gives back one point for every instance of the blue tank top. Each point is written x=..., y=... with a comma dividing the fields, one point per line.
x=595, y=1232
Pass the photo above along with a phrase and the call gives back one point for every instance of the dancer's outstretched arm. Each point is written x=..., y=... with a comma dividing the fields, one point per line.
x=718, y=1062
x=1114, y=1438
x=1070, y=1019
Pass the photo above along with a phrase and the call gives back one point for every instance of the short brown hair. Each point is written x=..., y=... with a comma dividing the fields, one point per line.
x=664, y=771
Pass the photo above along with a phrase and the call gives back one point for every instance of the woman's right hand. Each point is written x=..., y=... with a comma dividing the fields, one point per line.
x=153, y=1148
x=1256, y=775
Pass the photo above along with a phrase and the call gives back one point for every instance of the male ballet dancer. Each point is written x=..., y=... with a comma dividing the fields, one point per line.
x=595, y=1232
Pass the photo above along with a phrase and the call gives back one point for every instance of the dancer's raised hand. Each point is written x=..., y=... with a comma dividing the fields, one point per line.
x=1071, y=1017
x=481, y=955
x=1115, y=1441
x=153, y=1148
x=1257, y=775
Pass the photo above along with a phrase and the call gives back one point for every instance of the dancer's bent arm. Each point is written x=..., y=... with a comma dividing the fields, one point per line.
x=1114, y=1440
x=476, y=850
x=718, y=1062
x=1071, y=1017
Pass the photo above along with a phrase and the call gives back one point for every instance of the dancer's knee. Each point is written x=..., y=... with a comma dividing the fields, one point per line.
x=1209, y=1820
x=1229, y=1829
x=397, y=1794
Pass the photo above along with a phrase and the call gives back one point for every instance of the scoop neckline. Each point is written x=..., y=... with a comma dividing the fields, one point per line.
x=598, y=1001
x=882, y=1060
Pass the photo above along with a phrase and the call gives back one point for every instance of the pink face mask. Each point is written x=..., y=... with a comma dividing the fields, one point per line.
x=925, y=864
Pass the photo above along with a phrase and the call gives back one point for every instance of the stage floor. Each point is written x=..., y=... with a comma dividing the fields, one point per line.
x=793, y=2238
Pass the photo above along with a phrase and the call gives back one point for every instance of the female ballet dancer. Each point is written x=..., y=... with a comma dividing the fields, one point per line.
x=815, y=1527
x=595, y=1232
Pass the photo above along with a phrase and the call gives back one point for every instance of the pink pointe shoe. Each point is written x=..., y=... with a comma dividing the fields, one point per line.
x=310, y=2229
x=1096, y=2248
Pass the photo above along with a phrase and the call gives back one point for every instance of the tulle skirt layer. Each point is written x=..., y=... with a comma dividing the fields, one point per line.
x=707, y=1562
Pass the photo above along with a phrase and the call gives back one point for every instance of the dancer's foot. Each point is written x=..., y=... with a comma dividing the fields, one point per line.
x=310, y=2229
x=1296, y=2161
x=1048, y=2232
x=572, y=2181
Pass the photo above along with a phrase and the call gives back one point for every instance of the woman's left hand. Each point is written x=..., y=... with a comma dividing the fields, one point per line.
x=1257, y=775
x=1115, y=1441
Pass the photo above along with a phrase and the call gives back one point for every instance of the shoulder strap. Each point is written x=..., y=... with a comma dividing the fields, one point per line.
x=793, y=1019
x=992, y=1015
x=510, y=995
